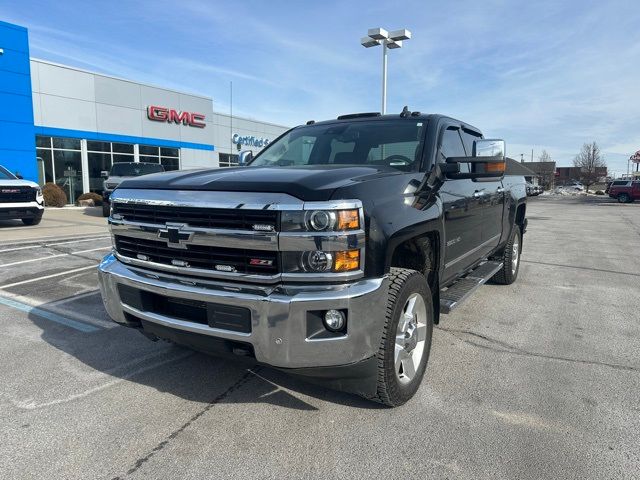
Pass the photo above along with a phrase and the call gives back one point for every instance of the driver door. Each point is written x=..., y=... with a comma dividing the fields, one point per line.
x=462, y=210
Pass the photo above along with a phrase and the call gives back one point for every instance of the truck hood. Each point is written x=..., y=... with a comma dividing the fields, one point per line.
x=18, y=183
x=308, y=184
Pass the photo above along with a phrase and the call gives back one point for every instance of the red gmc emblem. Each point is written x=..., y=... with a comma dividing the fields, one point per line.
x=169, y=115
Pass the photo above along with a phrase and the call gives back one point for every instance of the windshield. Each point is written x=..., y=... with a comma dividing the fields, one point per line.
x=135, y=169
x=6, y=174
x=393, y=143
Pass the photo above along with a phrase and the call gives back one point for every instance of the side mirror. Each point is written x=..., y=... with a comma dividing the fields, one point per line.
x=488, y=161
x=245, y=157
x=104, y=174
x=19, y=177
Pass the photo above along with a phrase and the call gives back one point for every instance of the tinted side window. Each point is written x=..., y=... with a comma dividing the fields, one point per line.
x=452, y=146
x=468, y=138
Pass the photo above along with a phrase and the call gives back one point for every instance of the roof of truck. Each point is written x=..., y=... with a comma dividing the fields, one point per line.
x=376, y=116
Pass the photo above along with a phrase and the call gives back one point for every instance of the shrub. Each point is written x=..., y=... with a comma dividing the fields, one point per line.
x=599, y=192
x=97, y=199
x=53, y=195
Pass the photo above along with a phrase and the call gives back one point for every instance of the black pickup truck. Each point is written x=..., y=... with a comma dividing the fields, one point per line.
x=331, y=254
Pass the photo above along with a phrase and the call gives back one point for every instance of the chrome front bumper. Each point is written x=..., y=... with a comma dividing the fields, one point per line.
x=278, y=313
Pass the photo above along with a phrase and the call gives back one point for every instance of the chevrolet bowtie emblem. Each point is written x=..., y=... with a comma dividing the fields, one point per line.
x=175, y=236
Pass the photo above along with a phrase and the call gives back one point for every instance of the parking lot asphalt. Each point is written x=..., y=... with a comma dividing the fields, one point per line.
x=539, y=379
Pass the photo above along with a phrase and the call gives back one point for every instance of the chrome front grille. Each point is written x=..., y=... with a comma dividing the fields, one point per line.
x=233, y=260
x=232, y=219
x=224, y=235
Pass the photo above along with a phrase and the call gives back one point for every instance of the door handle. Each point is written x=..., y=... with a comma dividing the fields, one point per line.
x=500, y=190
x=478, y=193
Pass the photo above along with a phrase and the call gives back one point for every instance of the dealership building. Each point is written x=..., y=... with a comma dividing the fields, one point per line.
x=65, y=125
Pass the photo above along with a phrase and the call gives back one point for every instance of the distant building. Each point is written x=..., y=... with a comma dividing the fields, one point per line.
x=545, y=171
x=516, y=168
x=567, y=175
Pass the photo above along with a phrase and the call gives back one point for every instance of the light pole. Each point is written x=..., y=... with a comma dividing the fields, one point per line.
x=393, y=40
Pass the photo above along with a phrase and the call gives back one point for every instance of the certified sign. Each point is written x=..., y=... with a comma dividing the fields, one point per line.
x=250, y=141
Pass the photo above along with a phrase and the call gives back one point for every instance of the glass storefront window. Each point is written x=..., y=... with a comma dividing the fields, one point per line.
x=98, y=146
x=148, y=150
x=68, y=172
x=122, y=148
x=228, y=160
x=43, y=142
x=170, y=163
x=119, y=158
x=97, y=163
x=60, y=161
x=169, y=152
x=66, y=143
x=146, y=158
x=45, y=166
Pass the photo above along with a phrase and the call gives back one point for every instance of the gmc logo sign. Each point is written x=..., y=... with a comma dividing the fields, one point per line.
x=169, y=115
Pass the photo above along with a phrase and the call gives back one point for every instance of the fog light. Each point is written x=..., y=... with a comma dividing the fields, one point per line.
x=334, y=320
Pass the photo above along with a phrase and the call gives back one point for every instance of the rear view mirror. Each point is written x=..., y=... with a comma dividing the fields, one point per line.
x=488, y=161
x=489, y=148
x=245, y=157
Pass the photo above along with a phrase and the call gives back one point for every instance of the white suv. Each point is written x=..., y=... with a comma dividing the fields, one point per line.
x=20, y=199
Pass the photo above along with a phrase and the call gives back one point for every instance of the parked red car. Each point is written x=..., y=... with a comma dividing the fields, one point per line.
x=625, y=191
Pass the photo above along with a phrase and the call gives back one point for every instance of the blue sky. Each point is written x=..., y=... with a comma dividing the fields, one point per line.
x=541, y=74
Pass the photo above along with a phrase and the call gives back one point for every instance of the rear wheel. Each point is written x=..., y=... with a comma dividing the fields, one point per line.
x=406, y=340
x=624, y=198
x=510, y=259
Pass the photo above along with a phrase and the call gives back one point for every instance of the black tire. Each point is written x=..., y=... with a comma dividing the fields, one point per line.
x=106, y=209
x=624, y=198
x=508, y=274
x=403, y=284
x=32, y=221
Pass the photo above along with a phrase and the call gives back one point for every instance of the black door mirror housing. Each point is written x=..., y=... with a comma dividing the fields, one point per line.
x=244, y=158
x=488, y=161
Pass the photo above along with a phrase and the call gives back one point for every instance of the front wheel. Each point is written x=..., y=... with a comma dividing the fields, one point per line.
x=624, y=198
x=32, y=221
x=510, y=259
x=106, y=209
x=406, y=339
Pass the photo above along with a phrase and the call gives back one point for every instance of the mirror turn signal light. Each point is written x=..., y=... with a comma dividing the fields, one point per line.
x=348, y=219
x=347, y=260
x=495, y=167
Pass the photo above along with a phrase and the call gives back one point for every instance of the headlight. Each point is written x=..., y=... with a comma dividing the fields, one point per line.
x=38, y=192
x=321, y=220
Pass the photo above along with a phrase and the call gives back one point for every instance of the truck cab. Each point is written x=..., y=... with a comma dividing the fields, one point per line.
x=331, y=254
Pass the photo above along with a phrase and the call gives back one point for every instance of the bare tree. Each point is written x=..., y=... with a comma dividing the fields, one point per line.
x=590, y=162
x=546, y=170
x=544, y=157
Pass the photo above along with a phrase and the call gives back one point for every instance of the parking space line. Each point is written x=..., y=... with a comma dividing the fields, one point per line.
x=53, y=317
x=53, y=256
x=37, y=279
x=43, y=245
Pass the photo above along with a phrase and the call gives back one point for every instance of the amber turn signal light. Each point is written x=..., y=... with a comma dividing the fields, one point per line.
x=347, y=260
x=495, y=167
x=348, y=220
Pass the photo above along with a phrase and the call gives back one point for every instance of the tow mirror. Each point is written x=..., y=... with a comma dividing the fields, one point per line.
x=104, y=174
x=245, y=157
x=488, y=161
